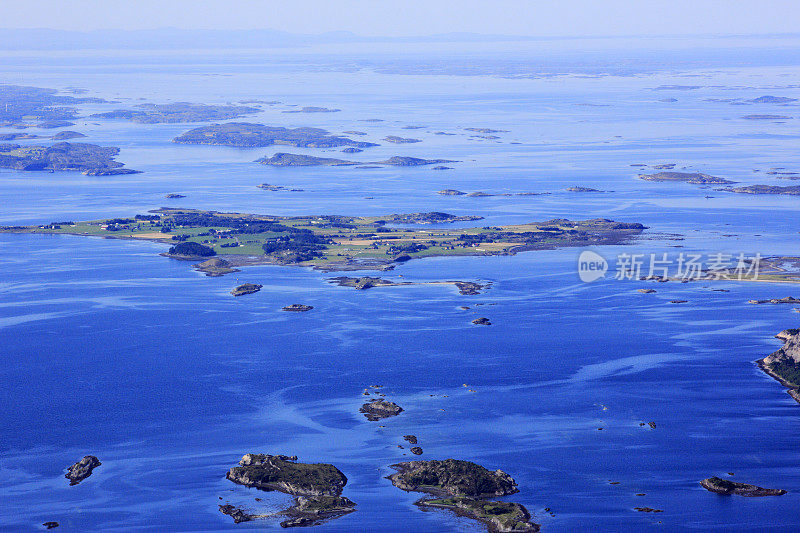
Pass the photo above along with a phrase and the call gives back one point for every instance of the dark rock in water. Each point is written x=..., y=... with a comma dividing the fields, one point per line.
x=416, y=450
x=652, y=425
x=648, y=510
x=441, y=167
x=411, y=439
x=483, y=321
x=282, y=473
x=724, y=486
x=246, y=288
x=300, y=308
x=470, y=288
x=352, y=150
x=646, y=291
x=452, y=477
x=50, y=525
x=451, y=192
x=174, y=195
x=784, y=300
x=82, y=469
x=237, y=514
x=380, y=409
x=362, y=283
x=678, y=301
x=314, y=511
x=501, y=517
x=687, y=177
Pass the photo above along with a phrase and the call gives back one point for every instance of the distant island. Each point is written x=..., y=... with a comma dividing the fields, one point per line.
x=90, y=159
x=22, y=107
x=334, y=242
x=313, y=109
x=688, y=177
x=283, y=159
x=251, y=135
x=177, y=113
x=793, y=190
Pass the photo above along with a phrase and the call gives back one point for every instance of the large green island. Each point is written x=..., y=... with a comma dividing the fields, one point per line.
x=334, y=242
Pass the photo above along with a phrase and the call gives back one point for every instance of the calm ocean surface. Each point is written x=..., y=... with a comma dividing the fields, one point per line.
x=110, y=350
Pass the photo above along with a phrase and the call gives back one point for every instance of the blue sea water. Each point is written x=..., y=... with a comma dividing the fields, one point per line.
x=111, y=350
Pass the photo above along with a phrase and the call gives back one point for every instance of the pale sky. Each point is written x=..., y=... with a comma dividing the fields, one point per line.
x=416, y=17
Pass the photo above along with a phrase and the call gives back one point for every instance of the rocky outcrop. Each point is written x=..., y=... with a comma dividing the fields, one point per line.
x=313, y=511
x=317, y=488
x=284, y=474
x=50, y=525
x=238, y=515
x=82, y=469
x=784, y=300
x=500, y=517
x=482, y=321
x=298, y=308
x=246, y=288
x=725, y=486
x=380, y=409
x=452, y=477
x=784, y=364
x=215, y=267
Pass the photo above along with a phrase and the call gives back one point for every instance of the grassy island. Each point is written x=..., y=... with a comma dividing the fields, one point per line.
x=334, y=242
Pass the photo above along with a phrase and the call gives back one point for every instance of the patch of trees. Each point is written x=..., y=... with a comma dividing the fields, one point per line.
x=192, y=248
